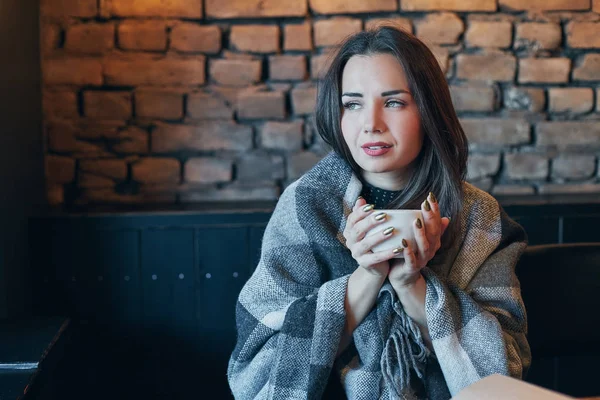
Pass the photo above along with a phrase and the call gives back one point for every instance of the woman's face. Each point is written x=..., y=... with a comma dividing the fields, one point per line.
x=380, y=121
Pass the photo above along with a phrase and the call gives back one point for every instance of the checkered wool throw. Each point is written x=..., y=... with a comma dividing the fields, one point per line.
x=290, y=314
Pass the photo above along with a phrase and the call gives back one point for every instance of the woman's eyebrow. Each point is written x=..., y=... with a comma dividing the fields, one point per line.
x=352, y=94
x=393, y=92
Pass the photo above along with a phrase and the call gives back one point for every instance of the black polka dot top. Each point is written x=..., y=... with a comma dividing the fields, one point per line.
x=378, y=197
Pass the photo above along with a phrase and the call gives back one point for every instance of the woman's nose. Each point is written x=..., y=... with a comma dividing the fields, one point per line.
x=372, y=122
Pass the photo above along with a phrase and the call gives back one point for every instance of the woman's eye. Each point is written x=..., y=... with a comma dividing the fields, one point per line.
x=395, y=104
x=351, y=106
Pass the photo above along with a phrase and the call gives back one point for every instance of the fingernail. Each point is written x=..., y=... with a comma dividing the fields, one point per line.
x=398, y=250
x=404, y=243
x=388, y=231
x=380, y=216
x=358, y=198
x=368, y=207
x=432, y=197
x=419, y=224
x=427, y=206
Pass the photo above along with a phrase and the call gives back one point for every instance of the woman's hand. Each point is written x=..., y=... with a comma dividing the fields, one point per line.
x=405, y=272
x=359, y=222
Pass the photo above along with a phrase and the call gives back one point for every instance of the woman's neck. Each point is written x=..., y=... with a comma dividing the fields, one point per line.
x=394, y=180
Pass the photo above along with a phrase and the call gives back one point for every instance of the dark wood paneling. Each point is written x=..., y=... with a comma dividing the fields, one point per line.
x=186, y=327
x=540, y=230
x=167, y=275
x=581, y=229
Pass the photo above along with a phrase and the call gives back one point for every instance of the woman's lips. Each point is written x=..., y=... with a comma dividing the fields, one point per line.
x=376, y=149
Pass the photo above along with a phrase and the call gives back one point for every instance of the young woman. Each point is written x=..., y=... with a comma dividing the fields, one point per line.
x=322, y=307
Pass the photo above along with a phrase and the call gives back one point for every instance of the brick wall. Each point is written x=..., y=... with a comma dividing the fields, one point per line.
x=192, y=100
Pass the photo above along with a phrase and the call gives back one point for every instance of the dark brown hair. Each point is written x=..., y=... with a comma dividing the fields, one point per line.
x=441, y=165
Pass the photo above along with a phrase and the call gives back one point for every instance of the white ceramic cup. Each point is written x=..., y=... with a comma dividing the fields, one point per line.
x=403, y=223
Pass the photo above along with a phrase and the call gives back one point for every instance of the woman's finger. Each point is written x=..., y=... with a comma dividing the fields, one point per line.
x=431, y=219
x=445, y=224
x=378, y=257
x=421, y=240
x=359, y=211
x=410, y=258
x=368, y=242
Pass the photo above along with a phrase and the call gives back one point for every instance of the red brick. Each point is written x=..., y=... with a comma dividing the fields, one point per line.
x=573, y=166
x=157, y=170
x=547, y=70
x=298, y=36
x=235, y=72
x=512, y=190
x=256, y=105
x=63, y=137
x=86, y=180
x=55, y=194
x=255, y=38
x=282, y=135
x=581, y=134
x=93, y=129
x=398, y=22
x=443, y=28
x=228, y=93
x=113, y=105
x=237, y=192
x=143, y=35
x=573, y=188
x=155, y=72
x=596, y=6
x=573, y=100
x=583, y=34
x=473, y=98
x=487, y=67
x=50, y=37
x=482, y=166
x=187, y=37
x=520, y=98
x=299, y=163
x=209, y=135
x=152, y=8
x=588, y=69
x=320, y=63
x=495, y=132
x=543, y=36
x=526, y=166
x=449, y=5
x=114, y=169
x=208, y=106
x=133, y=140
x=545, y=5
x=489, y=34
x=60, y=169
x=59, y=104
x=304, y=100
x=69, y=8
x=287, y=67
x=208, y=170
x=330, y=32
x=147, y=195
x=165, y=104
x=255, y=8
x=442, y=56
x=260, y=167
x=90, y=38
x=72, y=71
x=351, y=6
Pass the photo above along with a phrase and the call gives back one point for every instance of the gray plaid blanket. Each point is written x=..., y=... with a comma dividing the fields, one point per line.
x=290, y=313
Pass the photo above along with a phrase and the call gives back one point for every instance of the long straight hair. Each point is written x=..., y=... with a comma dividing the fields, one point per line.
x=441, y=165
